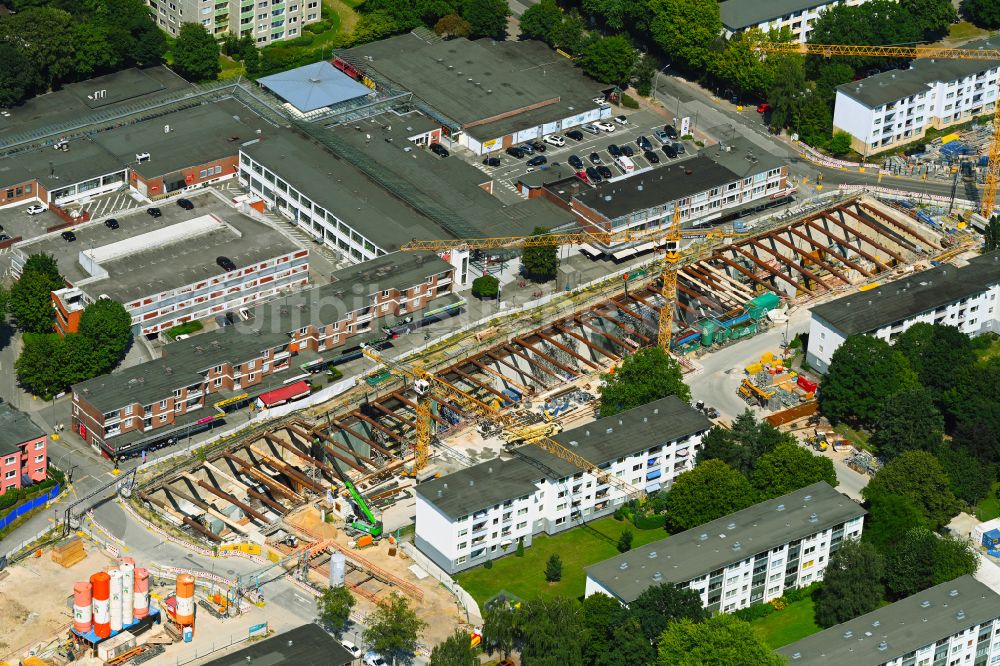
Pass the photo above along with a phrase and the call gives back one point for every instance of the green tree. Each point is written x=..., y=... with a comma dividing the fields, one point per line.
x=984, y=13
x=711, y=490
x=551, y=632
x=44, y=263
x=938, y=354
x=922, y=559
x=918, y=476
x=45, y=35
x=658, y=605
x=251, y=58
x=371, y=26
x=150, y=45
x=601, y=616
x=196, y=53
x=852, y=584
x=787, y=93
x=334, y=607
x=647, y=375
x=31, y=302
x=540, y=263
x=642, y=76
x=970, y=478
x=553, y=568
x=721, y=639
x=393, y=629
x=687, y=29
x=953, y=558
x=456, y=650
x=18, y=78
x=499, y=628
x=39, y=367
x=875, y=23
x=744, y=444
x=625, y=540
x=108, y=325
x=630, y=646
x=487, y=18
x=539, y=21
x=889, y=518
x=908, y=421
x=78, y=360
x=840, y=144
x=790, y=467
x=933, y=17
x=91, y=54
x=485, y=286
x=972, y=406
x=608, y=59
x=864, y=372
x=991, y=236
x=452, y=25
x=569, y=34
x=742, y=65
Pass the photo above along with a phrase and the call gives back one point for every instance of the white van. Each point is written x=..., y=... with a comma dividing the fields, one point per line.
x=625, y=164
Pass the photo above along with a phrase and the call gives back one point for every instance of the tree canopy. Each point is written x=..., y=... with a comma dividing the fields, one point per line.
x=551, y=632
x=499, y=628
x=790, y=467
x=852, y=584
x=456, y=650
x=196, y=53
x=922, y=559
x=334, y=607
x=711, y=490
x=917, y=475
x=540, y=263
x=647, y=375
x=487, y=18
x=540, y=20
x=864, y=373
x=743, y=445
x=686, y=29
x=31, y=302
x=393, y=628
x=108, y=325
x=908, y=421
x=658, y=605
x=936, y=353
x=609, y=59
x=983, y=13
x=970, y=477
x=721, y=639
x=889, y=518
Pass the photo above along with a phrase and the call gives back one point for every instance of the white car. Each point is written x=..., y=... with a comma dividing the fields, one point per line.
x=352, y=648
x=604, y=125
x=599, y=101
x=621, y=120
x=555, y=140
x=35, y=209
x=374, y=659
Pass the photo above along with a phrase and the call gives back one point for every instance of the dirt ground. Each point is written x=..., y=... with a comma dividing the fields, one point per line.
x=310, y=519
x=36, y=598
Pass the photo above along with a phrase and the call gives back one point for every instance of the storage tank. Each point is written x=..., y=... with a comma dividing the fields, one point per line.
x=116, y=599
x=140, y=606
x=759, y=306
x=82, y=601
x=707, y=334
x=338, y=565
x=185, y=599
x=127, y=568
x=100, y=584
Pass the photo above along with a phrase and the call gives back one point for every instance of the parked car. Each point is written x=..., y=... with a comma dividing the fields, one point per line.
x=582, y=175
x=154, y=212
x=4, y=237
x=491, y=161
x=661, y=136
x=614, y=150
x=186, y=204
x=763, y=107
x=599, y=100
x=68, y=236
x=438, y=149
x=225, y=263
x=576, y=135
x=671, y=131
x=670, y=151
x=514, y=151
x=34, y=209
x=604, y=171
x=605, y=126
x=679, y=147
x=374, y=659
x=627, y=151
x=594, y=175
x=111, y=223
x=591, y=128
x=355, y=651
x=651, y=157
x=555, y=140
x=527, y=148
x=537, y=160
x=575, y=162
x=595, y=158
x=643, y=142
x=621, y=120
x=538, y=146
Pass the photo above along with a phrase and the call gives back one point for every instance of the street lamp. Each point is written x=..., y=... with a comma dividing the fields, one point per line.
x=656, y=78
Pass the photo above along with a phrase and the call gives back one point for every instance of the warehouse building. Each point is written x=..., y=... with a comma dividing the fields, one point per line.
x=957, y=622
x=745, y=558
x=480, y=513
x=964, y=297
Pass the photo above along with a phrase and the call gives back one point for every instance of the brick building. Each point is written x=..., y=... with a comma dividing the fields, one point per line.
x=23, y=450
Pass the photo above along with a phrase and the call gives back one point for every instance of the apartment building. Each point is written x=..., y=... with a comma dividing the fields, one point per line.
x=897, y=107
x=480, y=513
x=796, y=15
x=964, y=297
x=951, y=624
x=23, y=450
x=267, y=21
x=745, y=558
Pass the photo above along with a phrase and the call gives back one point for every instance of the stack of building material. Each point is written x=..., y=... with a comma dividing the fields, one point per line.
x=69, y=552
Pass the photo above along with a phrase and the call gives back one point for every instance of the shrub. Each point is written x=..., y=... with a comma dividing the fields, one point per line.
x=304, y=40
x=650, y=521
x=755, y=612
x=485, y=286
x=488, y=564
x=187, y=328
x=520, y=548
x=334, y=374
x=629, y=102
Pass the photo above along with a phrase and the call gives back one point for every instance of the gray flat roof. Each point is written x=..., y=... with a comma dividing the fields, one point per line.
x=600, y=442
x=904, y=626
x=740, y=14
x=314, y=86
x=307, y=645
x=867, y=311
x=685, y=556
x=887, y=87
x=84, y=160
x=16, y=428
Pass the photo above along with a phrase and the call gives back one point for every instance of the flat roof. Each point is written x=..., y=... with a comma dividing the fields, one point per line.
x=870, y=310
x=307, y=645
x=16, y=428
x=600, y=442
x=740, y=14
x=699, y=551
x=900, y=628
x=85, y=159
x=888, y=87
x=314, y=86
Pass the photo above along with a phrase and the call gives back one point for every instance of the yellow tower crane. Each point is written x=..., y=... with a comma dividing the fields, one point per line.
x=993, y=166
x=427, y=384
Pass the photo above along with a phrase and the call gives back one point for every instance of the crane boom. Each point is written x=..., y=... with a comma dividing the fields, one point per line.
x=993, y=164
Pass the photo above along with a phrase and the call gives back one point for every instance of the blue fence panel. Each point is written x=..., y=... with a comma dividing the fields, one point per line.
x=31, y=505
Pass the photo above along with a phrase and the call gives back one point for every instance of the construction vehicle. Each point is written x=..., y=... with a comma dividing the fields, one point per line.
x=988, y=199
x=364, y=520
x=528, y=434
x=427, y=385
x=754, y=395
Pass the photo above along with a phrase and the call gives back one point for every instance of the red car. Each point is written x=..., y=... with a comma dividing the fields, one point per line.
x=582, y=175
x=763, y=108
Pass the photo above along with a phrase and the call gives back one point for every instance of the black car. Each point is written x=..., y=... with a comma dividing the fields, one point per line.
x=614, y=150
x=627, y=151
x=154, y=212
x=225, y=263
x=111, y=223
x=491, y=161
x=671, y=131
x=575, y=162
x=185, y=204
x=527, y=149
x=669, y=151
x=538, y=160
x=438, y=149
x=679, y=147
x=651, y=157
x=68, y=236
x=595, y=158
x=4, y=237
x=604, y=171
x=514, y=151
x=594, y=175
x=538, y=146
x=576, y=135
x=644, y=143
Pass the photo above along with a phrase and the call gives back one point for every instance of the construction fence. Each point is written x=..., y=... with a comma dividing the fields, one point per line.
x=29, y=506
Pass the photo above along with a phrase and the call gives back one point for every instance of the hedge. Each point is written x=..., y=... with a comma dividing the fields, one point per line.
x=629, y=102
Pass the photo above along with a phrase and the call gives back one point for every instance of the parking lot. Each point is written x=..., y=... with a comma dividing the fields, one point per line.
x=16, y=221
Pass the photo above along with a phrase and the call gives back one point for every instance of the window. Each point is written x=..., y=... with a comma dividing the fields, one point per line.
x=462, y=533
x=40, y=458
x=128, y=409
x=39, y=446
x=163, y=404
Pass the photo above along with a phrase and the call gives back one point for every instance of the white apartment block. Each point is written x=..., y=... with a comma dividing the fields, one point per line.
x=267, y=21
x=796, y=15
x=952, y=624
x=480, y=513
x=965, y=298
x=745, y=558
x=897, y=107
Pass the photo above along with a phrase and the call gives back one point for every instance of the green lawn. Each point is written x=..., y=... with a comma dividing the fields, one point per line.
x=857, y=437
x=963, y=31
x=989, y=508
x=787, y=626
x=578, y=547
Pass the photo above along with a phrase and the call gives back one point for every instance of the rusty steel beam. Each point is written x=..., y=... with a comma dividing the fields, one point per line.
x=371, y=443
x=290, y=472
x=194, y=524
x=499, y=375
x=317, y=432
x=291, y=448
x=543, y=355
x=600, y=350
x=344, y=447
x=378, y=426
x=412, y=405
x=499, y=359
x=620, y=324
x=533, y=362
x=768, y=269
x=214, y=472
x=247, y=509
x=569, y=350
x=720, y=288
x=633, y=313
x=825, y=248
x=698, y=296
x=902, y=227
x=879, y=230
x=735, y=266
x=805, y=255
x=861, y=237
x=741, y=292
x=208, y=508
x=264, y=478
x=475, y=382
x=618, y=341
x=388, y=412
x=794, y=265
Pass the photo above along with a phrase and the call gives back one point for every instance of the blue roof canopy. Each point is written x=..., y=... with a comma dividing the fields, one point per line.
x=314, y=86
